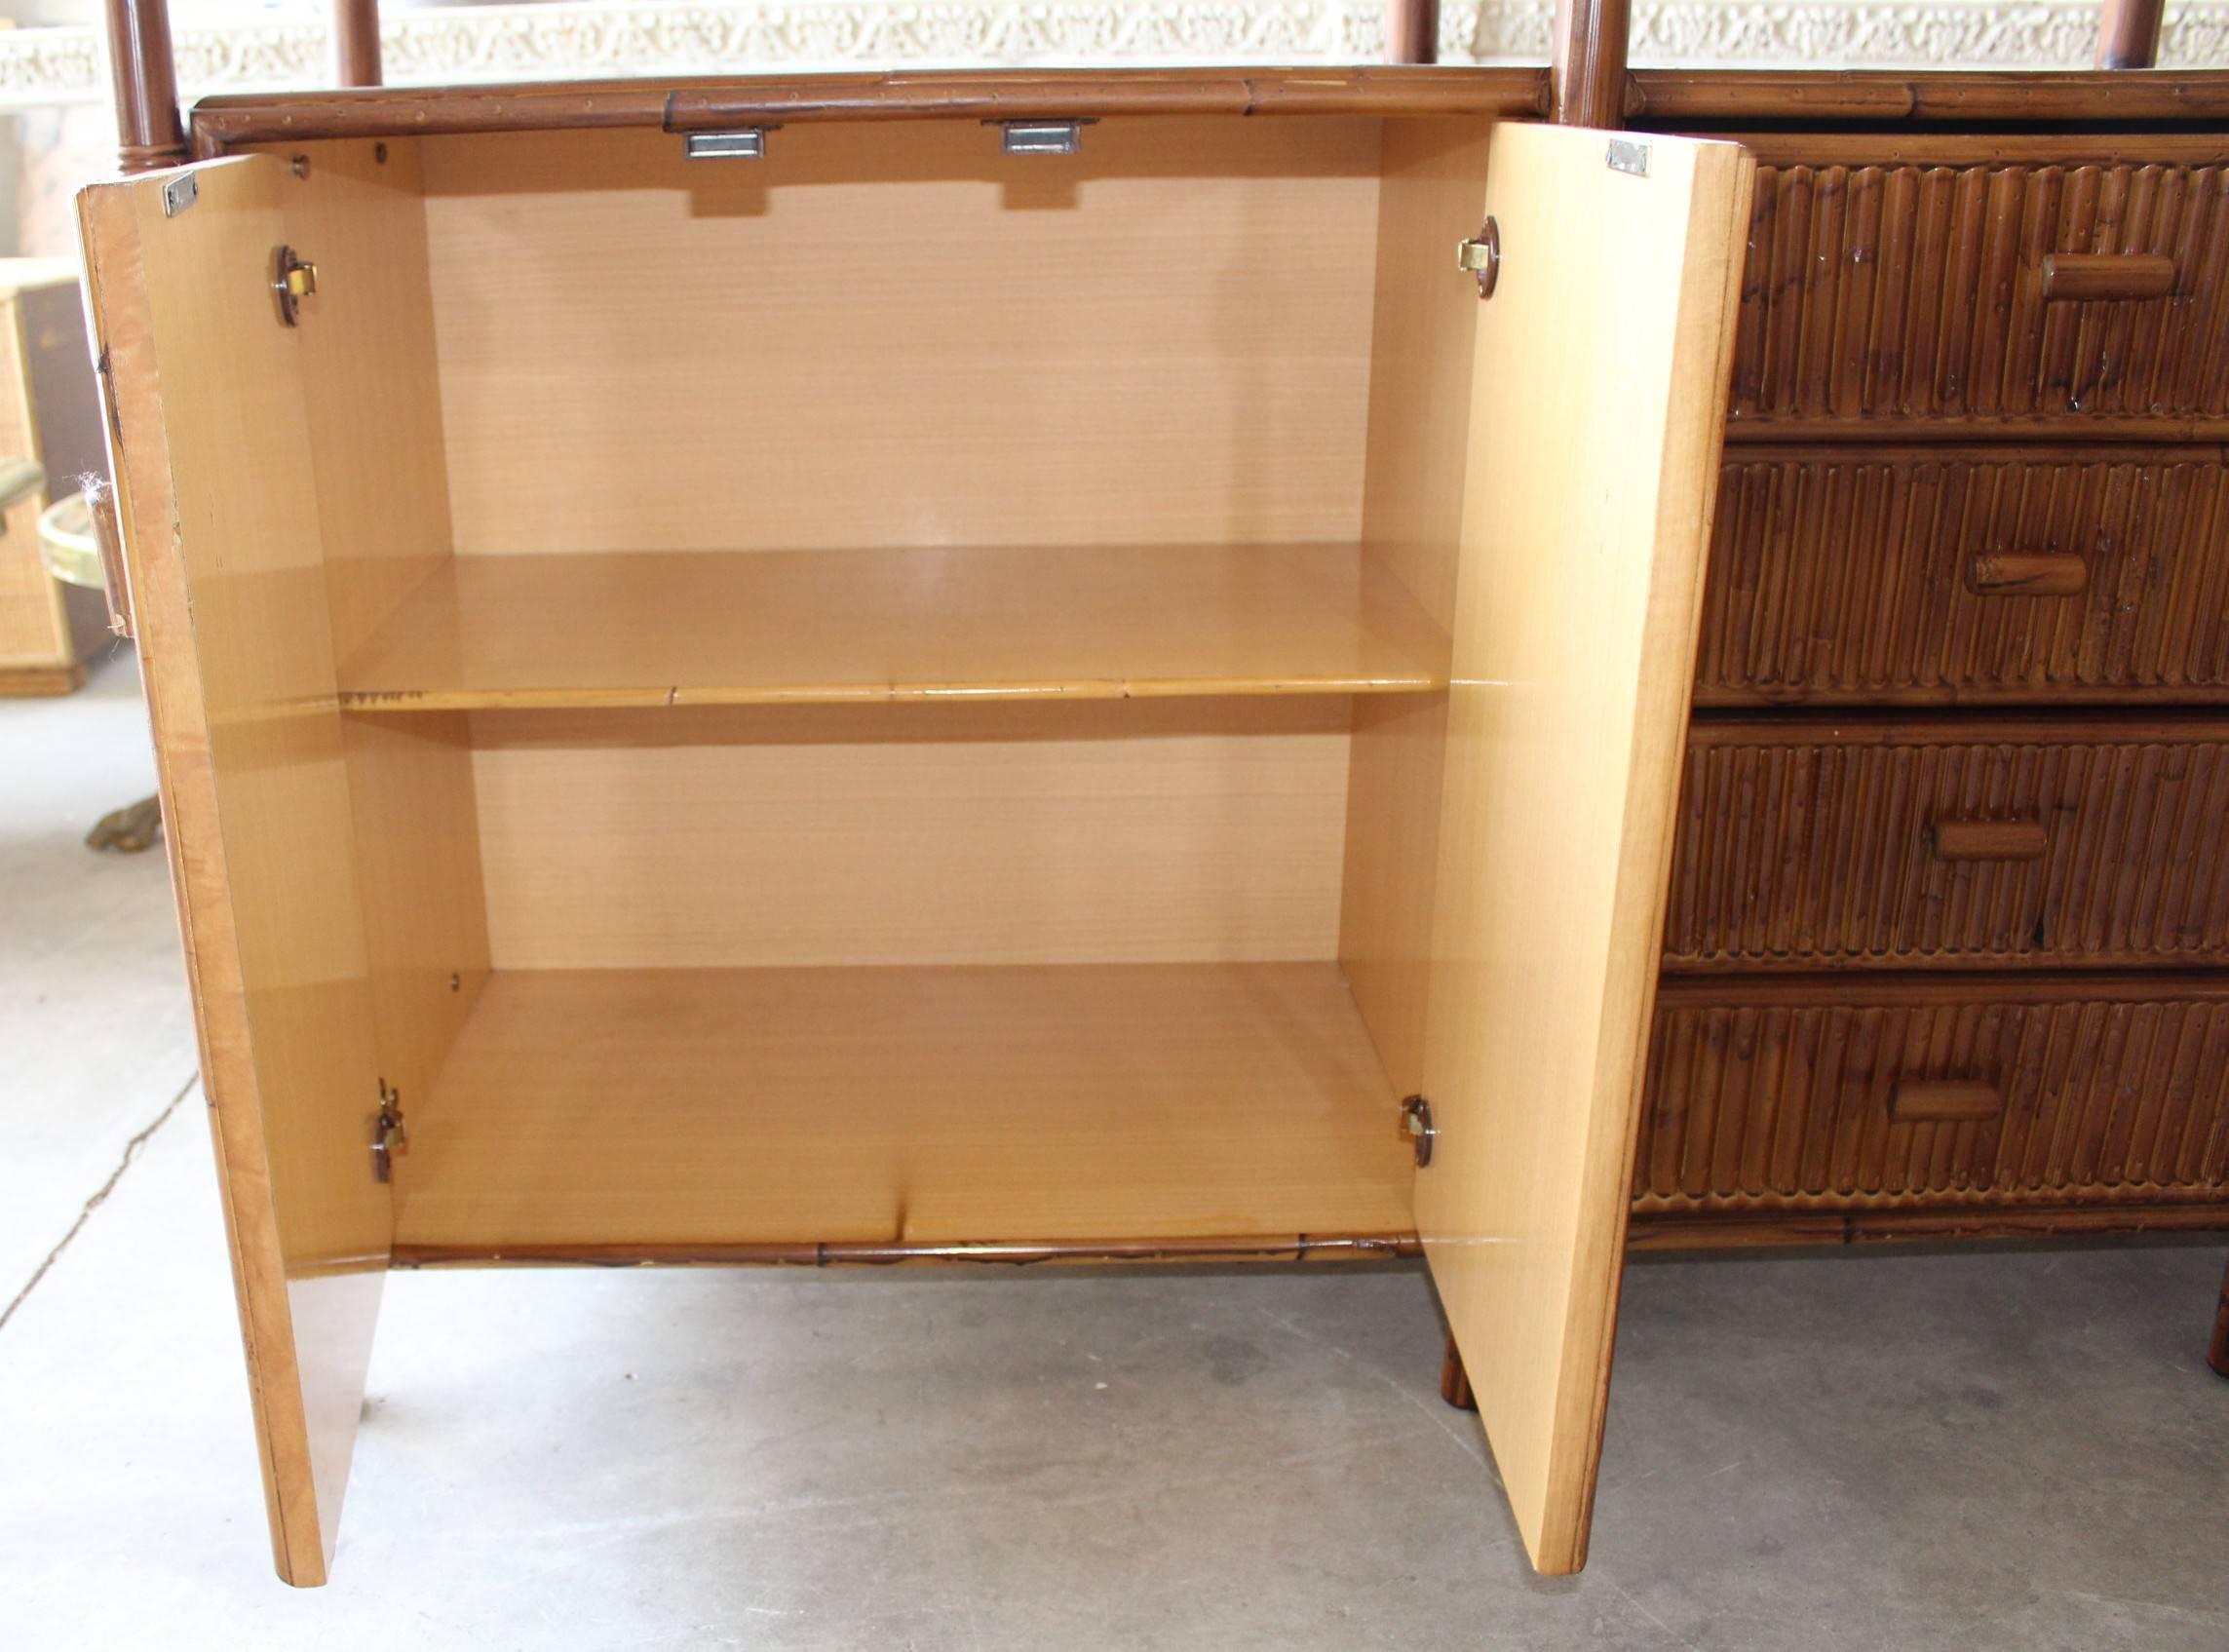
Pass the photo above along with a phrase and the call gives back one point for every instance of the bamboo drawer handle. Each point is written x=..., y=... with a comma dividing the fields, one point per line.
x=2026, y=573
x=1989, y=840
x=2107, y=274
x=1920, y=1100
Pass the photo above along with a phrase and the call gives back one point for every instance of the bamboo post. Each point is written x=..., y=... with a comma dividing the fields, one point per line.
x=1412, y=32
x=140, y=64
x=355, y=42
x=2128, y=33
x=1587, y=72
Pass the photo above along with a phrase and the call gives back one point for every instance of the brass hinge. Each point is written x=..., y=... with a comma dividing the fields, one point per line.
x=1481, y=256
x=294, y=278
x=390, y=1135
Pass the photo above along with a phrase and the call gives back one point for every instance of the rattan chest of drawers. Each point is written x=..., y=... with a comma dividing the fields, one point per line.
x=1947, y=941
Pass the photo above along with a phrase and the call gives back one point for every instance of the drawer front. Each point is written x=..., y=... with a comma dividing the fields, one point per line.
x=1880, y=1095
x=1955, y=845
x=1915, y=577
x=1882, y=292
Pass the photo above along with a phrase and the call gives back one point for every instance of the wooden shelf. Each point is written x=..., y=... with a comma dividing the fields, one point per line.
x=741, y=628
x=608, y=1114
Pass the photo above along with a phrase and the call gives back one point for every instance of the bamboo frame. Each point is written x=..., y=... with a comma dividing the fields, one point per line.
x=1587, y=75
x=1590, y=85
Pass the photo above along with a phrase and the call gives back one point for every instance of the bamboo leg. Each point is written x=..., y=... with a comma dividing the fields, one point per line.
x=1454, y=1381
x=2217, y=1352
x=148, y=132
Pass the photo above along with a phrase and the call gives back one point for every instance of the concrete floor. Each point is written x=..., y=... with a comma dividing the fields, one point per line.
x=1971, y=1450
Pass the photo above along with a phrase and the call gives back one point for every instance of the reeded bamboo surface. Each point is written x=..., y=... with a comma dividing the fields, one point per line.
x=1783, y=1097
x=1814, y=844
x=1858, y=575
x=1888, y=296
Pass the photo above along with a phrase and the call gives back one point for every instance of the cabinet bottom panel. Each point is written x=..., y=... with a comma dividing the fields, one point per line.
x=876, y=1114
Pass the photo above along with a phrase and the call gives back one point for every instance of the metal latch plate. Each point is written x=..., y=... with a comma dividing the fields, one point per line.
x=744, y=143
x=1628, y=156
x=179, y=193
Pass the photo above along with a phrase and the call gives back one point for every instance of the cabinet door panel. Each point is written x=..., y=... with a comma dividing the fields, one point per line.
x=227, y=566
x=1600, y=374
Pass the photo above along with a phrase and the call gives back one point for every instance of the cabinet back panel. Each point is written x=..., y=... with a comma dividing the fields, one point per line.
x=899, y=335
x=1124, y=832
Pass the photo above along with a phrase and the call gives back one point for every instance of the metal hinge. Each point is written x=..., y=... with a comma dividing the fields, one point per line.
x=390, y=1135
x=1416, y=1125
x=294, y=278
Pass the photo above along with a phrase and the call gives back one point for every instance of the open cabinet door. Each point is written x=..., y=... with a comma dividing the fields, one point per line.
x=1600, y=388
x=218, y=506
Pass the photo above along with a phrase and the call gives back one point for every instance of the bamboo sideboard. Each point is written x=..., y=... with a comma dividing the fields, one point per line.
x=1024, y=668
x=913, y=683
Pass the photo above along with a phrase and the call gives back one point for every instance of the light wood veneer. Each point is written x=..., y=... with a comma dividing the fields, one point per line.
x=632, y=1111
x=702, y=627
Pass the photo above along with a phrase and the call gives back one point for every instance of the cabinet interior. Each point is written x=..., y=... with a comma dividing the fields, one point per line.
x=895, y=691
